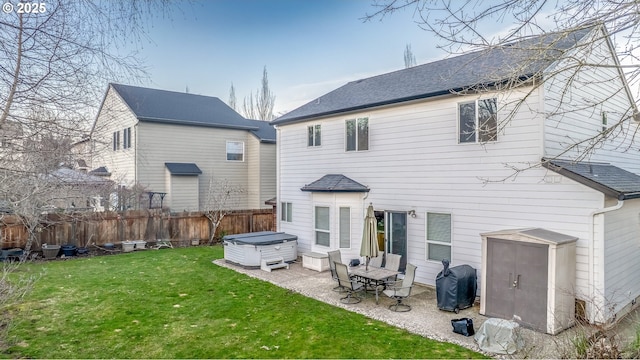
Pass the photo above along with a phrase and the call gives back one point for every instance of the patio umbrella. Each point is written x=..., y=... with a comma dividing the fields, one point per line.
x=369, y=246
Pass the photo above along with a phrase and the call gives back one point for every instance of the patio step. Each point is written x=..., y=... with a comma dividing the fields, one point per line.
x=273, y=263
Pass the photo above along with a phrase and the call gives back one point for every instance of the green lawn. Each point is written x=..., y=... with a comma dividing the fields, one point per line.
x=175, y=303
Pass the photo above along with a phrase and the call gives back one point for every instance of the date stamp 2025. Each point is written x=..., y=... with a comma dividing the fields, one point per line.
x=24, y=7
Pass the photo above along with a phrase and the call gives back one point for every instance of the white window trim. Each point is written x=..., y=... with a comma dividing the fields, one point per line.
x=116, y=140
x=368, y=134
x=314, y=136
x=315, y=229
x=226, y=150
x=427, y=241
x=126, y=141
x=477, y=129
x=340, y=207
x=284, y=206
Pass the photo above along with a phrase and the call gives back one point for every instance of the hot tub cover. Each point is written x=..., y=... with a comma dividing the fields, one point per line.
x=259, y=238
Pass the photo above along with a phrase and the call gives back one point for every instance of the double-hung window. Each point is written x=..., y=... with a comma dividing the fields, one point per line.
x=357, y=134
x=286, y=211
x=314, y=135
x=478, y=121
x=126, y=138
x=345, y=227
x=235, y=150
x=322, y=228
x=116, y=140
x=438, y=236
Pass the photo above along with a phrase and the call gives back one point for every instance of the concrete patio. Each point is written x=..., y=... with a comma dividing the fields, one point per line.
x=424, y=319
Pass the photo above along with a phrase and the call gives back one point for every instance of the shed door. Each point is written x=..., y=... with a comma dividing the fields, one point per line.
x=517, y=280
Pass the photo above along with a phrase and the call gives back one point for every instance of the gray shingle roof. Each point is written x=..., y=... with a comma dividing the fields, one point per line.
x=606, y=178
x=183, y=168
x=161, y=106
x=70, y=176
x=335, y=183
x=478, y=68
x=101, y=171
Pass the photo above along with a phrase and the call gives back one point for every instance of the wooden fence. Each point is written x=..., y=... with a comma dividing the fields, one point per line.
x=100, y=228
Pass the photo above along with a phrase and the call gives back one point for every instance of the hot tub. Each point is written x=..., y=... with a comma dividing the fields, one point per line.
x=249, y=249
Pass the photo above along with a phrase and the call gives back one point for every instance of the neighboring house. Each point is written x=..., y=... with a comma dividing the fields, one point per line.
x=78, y=190
x=409, y=142
x=174, y=145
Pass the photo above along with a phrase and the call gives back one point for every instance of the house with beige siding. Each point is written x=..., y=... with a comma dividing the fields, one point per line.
x=460, y=166
x=174, y=146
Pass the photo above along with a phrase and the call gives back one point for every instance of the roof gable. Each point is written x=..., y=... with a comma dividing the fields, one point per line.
x=606, y=178
x=441, y=77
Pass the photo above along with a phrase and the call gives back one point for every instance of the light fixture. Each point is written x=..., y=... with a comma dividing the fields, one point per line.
x=412, y=213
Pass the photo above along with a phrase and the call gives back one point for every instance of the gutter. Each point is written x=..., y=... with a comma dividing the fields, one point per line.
x=592, y=250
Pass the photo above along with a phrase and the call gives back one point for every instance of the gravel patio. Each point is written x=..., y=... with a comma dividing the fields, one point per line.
x=424, y=319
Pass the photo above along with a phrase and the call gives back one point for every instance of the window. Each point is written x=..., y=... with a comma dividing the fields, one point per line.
x=116, y=140
x=478, y=121
x=345, y=227
x=286, y=211
x=235, y=150
x=126, y=138
x=322, y=226
x=438, y=236
x=357, y=134
x=314, y=138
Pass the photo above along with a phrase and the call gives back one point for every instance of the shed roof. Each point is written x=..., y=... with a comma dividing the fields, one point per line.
x=335, y=183
x=604, y=177
x=480, y=68
x=183, y=169
x=170, y=107
x=544, y=235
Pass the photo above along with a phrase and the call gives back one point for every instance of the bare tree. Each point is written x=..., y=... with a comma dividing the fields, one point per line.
x=249, y=109
x=55, y=60
x=260, y=108
x=222, y=198
x=536, y=30
x=409, y=58
x=232, y=98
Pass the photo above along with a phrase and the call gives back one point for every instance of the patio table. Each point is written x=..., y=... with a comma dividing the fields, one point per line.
x=373, y=275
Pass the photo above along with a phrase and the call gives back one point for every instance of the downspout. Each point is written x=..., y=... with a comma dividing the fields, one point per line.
x=592, y=249
x=278, y=177
x=135, y=154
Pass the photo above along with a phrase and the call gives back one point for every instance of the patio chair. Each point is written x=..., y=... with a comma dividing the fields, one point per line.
x=401, y=290
x=351, y=286
x=376, y=261
x=393, y=262
x=334, y=257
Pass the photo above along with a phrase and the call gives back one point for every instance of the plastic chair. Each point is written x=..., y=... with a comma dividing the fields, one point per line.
x=401, y=290
x=348, y=284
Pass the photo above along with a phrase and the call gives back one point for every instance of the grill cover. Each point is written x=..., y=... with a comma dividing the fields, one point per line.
x=456, y=287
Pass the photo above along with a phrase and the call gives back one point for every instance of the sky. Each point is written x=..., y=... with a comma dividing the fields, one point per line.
x=309, y=47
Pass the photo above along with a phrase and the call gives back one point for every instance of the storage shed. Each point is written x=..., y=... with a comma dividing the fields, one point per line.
x=529, y=275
